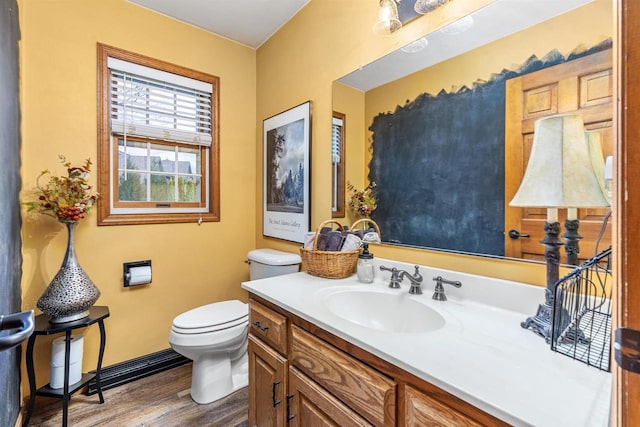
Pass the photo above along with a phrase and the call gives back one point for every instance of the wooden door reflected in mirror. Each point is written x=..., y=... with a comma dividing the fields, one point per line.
x=583, y=86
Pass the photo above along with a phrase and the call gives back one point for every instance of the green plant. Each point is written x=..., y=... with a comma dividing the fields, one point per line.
x=67, y=197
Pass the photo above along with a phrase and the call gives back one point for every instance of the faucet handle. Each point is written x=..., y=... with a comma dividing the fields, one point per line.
x=438, y=292
x=394, y=282
x=441, y=279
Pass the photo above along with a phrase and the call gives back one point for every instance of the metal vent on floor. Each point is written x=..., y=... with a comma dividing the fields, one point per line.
x=134, y=369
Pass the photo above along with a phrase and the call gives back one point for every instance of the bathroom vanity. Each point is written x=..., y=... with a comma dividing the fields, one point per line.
x=354, y=354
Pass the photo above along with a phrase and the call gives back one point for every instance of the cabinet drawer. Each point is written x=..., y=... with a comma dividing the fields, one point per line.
x=435, y=407
x=363, y=389
x=268, y=325
x=422, y=410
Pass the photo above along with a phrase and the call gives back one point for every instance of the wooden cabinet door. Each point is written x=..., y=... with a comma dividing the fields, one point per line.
x=362, y=388
x=309, y=405
x=582, y=86
x=420, y=409
x=267, y=385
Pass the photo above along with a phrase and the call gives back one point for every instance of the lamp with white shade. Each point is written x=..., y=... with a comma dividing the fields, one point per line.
x=559, y=174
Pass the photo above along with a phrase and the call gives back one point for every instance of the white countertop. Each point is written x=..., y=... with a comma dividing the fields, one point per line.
x=481, y=354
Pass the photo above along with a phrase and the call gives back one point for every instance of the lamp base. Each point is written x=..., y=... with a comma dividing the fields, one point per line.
x=572, y=239
x=541, y=322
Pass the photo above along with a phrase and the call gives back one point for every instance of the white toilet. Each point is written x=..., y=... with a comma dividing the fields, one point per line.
x=214, y=336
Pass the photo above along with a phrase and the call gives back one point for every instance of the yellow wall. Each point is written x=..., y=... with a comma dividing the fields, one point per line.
x=317, y=47
x=192, y=264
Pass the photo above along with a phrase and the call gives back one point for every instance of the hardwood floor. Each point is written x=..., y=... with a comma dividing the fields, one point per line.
x=159, y=400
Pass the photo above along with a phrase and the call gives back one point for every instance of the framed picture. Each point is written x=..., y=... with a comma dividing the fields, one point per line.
x=286, y=181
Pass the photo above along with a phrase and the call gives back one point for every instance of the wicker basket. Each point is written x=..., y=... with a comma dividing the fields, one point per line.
x=328, y=264
x=367, y=220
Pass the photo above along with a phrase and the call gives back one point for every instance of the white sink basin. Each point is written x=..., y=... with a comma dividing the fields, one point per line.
x=382, y=311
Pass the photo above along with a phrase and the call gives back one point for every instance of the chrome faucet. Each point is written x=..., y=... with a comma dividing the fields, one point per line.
x=415, y=279
x=438, y=292
x=398, y=275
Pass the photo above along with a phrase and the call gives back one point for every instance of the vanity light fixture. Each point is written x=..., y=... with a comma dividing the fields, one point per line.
x=559, y=174
x=426, y=6
x=388, y=20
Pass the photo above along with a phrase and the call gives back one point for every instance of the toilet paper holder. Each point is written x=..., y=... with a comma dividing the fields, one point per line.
x=136, y=273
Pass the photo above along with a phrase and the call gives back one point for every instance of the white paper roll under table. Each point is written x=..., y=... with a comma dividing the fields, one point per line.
x=56, y=378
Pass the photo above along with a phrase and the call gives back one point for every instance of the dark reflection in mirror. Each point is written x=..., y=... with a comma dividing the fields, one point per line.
x=439, y=165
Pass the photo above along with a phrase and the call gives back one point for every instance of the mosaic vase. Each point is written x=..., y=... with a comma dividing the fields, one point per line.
x=71, y=293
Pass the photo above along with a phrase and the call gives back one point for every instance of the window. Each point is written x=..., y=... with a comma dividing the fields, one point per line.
x=337, y=165
x=158, y=141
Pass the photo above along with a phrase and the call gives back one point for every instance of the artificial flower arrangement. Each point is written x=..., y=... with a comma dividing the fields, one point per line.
x=67, y=197
x=363, y=202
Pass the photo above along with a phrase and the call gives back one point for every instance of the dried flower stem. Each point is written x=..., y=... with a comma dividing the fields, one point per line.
x=363, y=202
x=66, y=198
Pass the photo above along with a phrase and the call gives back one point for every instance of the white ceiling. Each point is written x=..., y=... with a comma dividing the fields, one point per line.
x=249, y=22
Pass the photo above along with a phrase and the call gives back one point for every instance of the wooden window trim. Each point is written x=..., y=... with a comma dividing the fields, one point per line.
x=105, y=217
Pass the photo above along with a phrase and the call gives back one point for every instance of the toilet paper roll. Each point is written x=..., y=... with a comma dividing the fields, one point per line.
x=140, y=275
x=57, y=350
x=56, y=378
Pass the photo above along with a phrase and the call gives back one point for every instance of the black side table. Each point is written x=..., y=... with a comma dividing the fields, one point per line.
x=97, y=314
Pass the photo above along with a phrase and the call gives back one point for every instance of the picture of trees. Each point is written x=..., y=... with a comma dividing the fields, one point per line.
x=286, y=180
x=284, y=156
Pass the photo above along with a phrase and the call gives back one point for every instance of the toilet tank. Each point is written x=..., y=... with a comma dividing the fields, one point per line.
x=269, y=262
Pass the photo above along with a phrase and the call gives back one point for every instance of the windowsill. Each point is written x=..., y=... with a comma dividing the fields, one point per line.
x=164, y=218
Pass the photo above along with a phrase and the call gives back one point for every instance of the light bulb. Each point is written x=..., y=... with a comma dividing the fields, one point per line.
x=388, y=21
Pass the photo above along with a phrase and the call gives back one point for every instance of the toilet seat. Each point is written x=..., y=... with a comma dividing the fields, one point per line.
x=212, y=317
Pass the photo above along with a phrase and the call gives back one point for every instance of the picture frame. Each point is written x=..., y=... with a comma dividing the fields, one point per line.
x=286, y=174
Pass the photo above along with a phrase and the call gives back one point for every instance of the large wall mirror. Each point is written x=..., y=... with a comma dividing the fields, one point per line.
x=444, y=125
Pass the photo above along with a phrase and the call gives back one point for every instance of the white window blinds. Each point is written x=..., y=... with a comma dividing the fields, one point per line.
x=336, y=140
x=156, y=104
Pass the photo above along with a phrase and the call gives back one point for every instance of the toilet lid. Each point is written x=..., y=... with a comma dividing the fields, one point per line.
x=224, y=314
